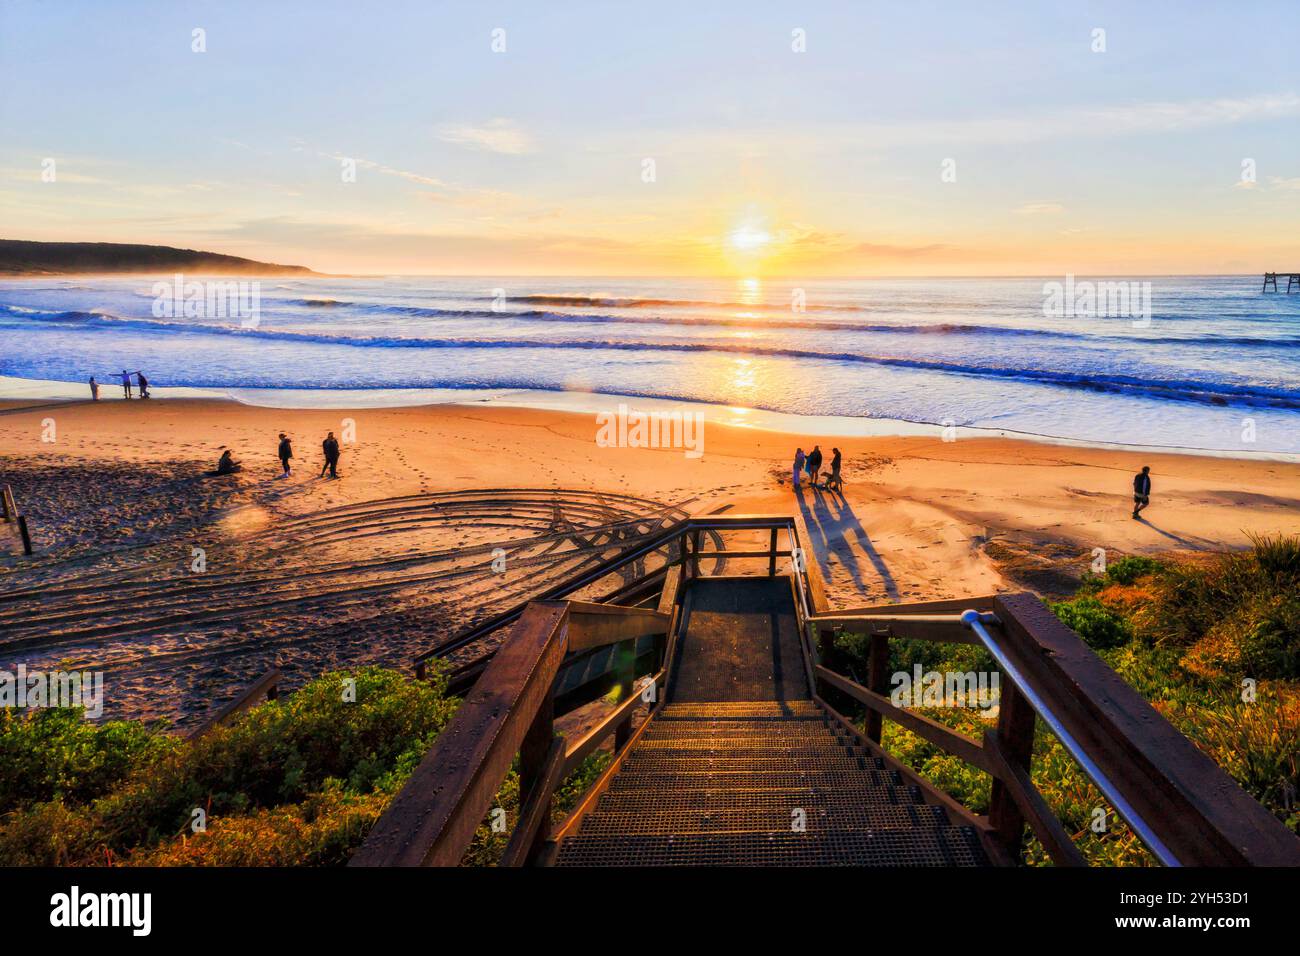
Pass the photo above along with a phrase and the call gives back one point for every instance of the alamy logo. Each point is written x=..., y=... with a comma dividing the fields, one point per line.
x=630, y=428
x=23, y=689
x=208, y=300
x=1085, y=299
x=945, y=689
x=75, y=908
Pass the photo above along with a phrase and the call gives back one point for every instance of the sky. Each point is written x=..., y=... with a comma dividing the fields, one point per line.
x=570, y=138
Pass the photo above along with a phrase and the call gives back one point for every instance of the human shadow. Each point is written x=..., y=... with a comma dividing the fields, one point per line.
x=830, y=531
x=1201, y=545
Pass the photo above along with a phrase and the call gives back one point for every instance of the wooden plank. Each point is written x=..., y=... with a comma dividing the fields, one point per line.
x=432, y=820
x=596, y=625
x=265, y=687
x=939, y=628
x=536, y=808
x=596, y=736
x=1051, y=834
x=959, y=745
x=877, y=680
x=672, y=584
x=1015, y=734
x=944, y=607
x=1195, y=808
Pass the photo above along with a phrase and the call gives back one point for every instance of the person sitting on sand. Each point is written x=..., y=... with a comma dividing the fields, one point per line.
x=228, y=465
x=798, y=465
x=835, y=482
x=1141, y=489
x=814, y=464
x=144, y=384
x=286, y=453
x=331, y=448
x=126, y=383
x=94, y=389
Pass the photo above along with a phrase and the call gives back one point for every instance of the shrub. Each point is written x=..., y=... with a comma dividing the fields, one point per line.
x=1090, y=619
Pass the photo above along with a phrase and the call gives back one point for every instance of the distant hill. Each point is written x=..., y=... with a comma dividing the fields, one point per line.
x=21, y=258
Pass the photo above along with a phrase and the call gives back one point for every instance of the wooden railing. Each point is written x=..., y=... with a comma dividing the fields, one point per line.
x=9, y=511
x=510, y=709
x=1175, y=798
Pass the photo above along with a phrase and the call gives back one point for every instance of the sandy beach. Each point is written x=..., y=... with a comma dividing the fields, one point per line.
x=183, y=586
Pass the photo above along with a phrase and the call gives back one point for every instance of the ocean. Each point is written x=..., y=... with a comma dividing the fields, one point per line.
x=1205, y=362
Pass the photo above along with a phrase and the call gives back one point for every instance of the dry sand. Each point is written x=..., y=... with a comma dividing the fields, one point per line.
x=396, y=554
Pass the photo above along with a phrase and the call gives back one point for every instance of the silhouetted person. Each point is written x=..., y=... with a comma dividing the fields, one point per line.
x=285, y=452
x=228, y=465
x=126, y=382
x=144, y=384
x=835, y=482
x=814, y=464
x=798, y=465
x=331, y=448
x=1141, y=489
x=94, y=389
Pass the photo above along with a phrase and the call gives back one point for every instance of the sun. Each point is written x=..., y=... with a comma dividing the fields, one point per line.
x=749, y=239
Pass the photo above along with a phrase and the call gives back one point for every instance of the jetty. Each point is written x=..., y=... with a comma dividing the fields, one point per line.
x=730, y=740
x=1292, y=281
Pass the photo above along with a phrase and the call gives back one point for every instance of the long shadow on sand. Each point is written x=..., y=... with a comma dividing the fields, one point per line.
x=830, y=531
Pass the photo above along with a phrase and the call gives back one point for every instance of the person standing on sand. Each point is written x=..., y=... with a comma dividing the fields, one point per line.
x=126, y=383
x=331, y=448
x=814, y=464
x=94, y=389
x=798, y=465
x=286, y=453
x=835, y=482
x=144, y=384
x=1141, y=489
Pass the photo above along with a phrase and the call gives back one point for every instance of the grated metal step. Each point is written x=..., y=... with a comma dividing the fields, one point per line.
x=614, y=820
x=643, y=761
x=748, y=779
x=945, y=846
x=740, y=798
x=749, y=708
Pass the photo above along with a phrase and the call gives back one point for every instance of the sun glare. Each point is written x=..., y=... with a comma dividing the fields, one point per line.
x=749, y=239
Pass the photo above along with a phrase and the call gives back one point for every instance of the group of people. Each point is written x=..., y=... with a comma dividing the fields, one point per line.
x=229, y=465
x=811, y=465
x=141, y=382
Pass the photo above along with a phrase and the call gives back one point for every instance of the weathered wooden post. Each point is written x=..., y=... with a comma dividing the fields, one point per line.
x=771, y=559
x=533, y=755
x=27, y=538
x=877, y=679
x=1015, y=737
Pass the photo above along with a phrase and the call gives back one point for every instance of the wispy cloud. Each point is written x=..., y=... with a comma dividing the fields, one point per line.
x=495, y=136
x=1039, y=209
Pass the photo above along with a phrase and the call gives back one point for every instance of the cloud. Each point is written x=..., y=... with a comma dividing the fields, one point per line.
x=1039, y=209
x=495, y=136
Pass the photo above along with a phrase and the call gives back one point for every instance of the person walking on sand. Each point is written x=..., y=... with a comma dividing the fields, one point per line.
x=814, y=464
x=94, y=389
x=286, y=453
x=126, y=383
x=331, y=448
x=144, y=384
x=835, y=482
x=1141, y=490
x=798, y=465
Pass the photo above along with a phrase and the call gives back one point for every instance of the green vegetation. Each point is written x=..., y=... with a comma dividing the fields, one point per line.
x=298, y=781
x=1194, y=638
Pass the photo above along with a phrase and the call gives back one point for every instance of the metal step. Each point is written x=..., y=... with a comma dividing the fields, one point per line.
x=613, y=820
x=649, y=761
x=664, y=782
x=943, y=846
x=748, y=708
x=740, y=798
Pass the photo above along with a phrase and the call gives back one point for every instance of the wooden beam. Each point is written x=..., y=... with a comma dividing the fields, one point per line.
x=944, y=607
x=959, y=745
x=432, y=820
x=535, y=810
x=939, y=628
x=596, y=625
x=1051, y=834
x=265, y=687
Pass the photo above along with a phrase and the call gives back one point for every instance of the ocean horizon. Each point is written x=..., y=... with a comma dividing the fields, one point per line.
x=1193, y=362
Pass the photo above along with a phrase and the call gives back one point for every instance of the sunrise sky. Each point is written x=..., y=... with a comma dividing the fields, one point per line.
x=766, y=161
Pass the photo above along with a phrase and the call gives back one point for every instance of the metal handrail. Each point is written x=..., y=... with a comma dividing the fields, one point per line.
x=976, y=620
